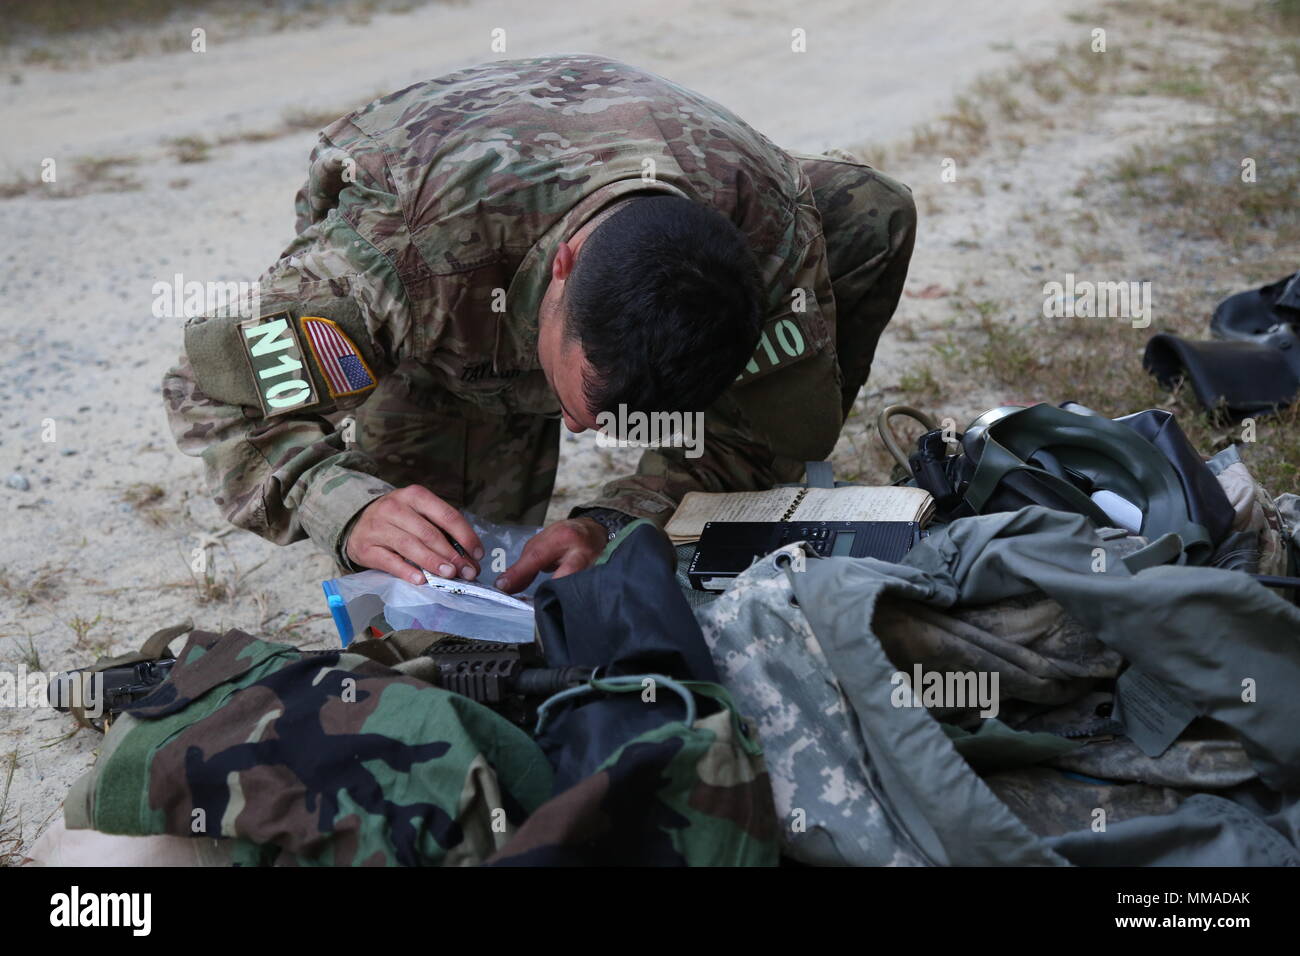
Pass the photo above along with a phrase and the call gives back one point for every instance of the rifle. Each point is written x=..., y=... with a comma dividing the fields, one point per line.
x=91, y=695
x=510, y=679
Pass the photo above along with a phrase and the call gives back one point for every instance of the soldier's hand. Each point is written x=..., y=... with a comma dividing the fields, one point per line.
x=411, y=524
x=564, y=547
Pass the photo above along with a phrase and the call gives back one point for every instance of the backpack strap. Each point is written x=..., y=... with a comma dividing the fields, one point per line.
x=1086, y=443
x=999, y=466
x=819, y=474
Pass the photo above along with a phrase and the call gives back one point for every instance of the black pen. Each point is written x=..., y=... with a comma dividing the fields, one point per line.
x=459, y=550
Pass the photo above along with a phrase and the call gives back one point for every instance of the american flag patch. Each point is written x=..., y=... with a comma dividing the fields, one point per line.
x=341, y=365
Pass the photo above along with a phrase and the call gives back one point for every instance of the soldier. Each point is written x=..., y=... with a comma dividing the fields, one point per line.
x=484, y=255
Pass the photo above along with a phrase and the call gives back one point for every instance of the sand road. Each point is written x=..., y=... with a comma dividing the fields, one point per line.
x=85, y=571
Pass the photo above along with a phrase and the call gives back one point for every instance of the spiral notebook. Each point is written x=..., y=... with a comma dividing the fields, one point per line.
x=847, y=503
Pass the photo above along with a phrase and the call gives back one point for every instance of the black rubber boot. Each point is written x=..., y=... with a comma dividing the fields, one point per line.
x=1247, y=315
x=1239, y=377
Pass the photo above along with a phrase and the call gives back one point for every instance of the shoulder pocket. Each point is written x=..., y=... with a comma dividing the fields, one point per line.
x=797, y=325
x=300, y=354
x=787, y=337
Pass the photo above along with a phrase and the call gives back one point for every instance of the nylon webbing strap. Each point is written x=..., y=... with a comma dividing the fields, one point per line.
x=1098, y=448
x=1167, y=549
x=819, y=474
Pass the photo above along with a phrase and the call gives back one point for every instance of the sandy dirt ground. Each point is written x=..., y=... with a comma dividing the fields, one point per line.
x=102, y=514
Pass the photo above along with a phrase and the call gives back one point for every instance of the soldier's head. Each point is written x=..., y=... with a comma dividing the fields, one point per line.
x=655, y=306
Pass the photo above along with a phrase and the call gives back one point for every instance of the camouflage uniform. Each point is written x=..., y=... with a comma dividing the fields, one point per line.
x=324, y=758
x=330, y=758
x=426, y=232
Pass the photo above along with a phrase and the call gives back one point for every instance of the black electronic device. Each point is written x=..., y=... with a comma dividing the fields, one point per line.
x=727, y=548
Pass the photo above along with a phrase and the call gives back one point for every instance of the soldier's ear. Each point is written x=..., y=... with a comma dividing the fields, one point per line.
x=562, y=264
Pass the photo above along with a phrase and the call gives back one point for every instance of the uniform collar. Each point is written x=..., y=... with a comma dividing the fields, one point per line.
x=524, y=296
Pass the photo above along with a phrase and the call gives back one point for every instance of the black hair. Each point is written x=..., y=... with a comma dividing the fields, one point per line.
x=665, y=300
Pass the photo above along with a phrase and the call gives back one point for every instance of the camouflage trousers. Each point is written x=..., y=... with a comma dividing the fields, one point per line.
x=869, y=222
x=502, y=466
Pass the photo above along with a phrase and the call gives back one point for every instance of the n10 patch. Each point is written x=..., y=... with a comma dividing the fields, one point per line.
x=276, y=359
x=781, y=342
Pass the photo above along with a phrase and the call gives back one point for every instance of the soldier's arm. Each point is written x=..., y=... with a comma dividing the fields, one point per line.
x=754, y=437
x=251, y=393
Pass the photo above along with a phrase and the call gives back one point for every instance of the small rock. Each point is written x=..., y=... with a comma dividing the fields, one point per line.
x=18, y=482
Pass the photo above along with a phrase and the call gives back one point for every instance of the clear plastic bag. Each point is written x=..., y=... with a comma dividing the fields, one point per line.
x=465, y=608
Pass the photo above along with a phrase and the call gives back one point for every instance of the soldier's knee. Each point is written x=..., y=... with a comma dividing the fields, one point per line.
x=901, y=215
x=906, y=226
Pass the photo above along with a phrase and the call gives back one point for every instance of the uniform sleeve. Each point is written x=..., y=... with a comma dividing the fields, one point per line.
x=256, y=394
x=783, y=410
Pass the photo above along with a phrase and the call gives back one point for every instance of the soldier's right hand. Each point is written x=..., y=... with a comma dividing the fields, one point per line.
x=411, y=525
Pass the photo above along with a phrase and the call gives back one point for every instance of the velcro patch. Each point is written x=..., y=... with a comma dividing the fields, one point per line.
x=341, y=366
x=781, y=343
x=274, y=354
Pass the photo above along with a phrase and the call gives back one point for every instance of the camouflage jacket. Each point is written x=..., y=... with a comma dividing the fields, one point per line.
x=329, y=758
x=311, y=758
x=426, y=231
x=863, y=775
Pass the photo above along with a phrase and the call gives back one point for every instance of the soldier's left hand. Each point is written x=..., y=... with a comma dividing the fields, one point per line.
x=564, y=547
